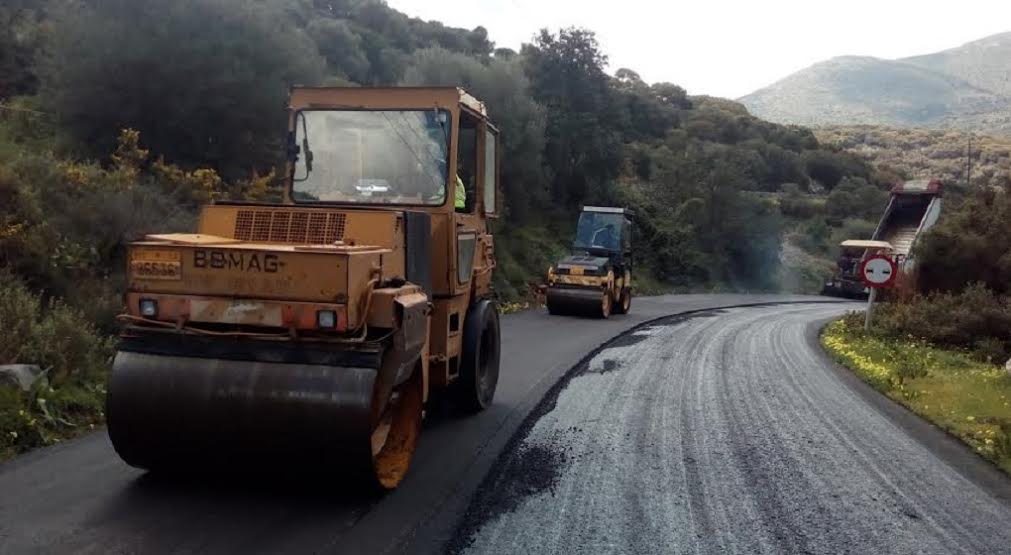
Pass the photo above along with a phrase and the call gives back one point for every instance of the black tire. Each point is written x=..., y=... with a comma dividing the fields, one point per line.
x=606, y=306
x=552, y=309
x=624, y=304
x=479, y=359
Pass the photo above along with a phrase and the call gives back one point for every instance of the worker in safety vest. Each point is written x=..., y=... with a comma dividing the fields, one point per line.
x=460, y=197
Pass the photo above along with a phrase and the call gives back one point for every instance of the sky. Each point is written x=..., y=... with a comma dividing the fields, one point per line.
x=730, y=48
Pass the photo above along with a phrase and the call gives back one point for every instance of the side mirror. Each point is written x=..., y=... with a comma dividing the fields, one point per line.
x=308, y=155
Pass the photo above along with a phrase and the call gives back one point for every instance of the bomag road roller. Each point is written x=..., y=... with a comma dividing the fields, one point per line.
x=596, y=279
x=310, y=332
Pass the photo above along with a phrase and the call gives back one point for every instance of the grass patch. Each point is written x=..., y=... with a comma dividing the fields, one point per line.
x=967, y=398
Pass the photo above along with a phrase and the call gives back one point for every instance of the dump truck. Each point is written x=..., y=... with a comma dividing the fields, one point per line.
x=596, y=278
x=913, y=207
x=312, y=332
x=847, y=281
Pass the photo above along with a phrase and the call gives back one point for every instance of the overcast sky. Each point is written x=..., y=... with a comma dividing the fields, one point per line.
x=731, y=47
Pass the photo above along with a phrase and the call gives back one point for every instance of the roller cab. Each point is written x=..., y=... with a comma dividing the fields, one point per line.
x=310, y=333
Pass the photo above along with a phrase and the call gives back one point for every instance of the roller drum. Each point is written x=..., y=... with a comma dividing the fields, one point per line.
x=178, y=412
x=574, y=301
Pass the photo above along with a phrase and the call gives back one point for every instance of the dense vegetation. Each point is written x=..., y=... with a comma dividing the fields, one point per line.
x=942, y=154
x=120, y=117
x=203, y=82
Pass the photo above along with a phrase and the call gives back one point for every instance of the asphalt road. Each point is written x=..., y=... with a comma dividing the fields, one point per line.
x=79, y=497
x=731, y=432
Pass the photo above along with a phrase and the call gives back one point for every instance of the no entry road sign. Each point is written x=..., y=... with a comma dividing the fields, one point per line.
x=879, y=272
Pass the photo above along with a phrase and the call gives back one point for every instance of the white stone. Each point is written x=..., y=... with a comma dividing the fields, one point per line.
x=23, y=376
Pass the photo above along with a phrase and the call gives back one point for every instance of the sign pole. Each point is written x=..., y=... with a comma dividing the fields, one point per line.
x=878, y=271
x=870, y=309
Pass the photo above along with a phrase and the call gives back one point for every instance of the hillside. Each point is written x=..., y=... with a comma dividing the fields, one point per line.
x=965, y=87
x=985, y=63
x=911, y=153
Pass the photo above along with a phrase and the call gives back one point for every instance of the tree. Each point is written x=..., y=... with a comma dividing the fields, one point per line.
x=567, y=76
x=828, y=168
x=342, y=48
x=204, y=81
x=504, y=88
x=672, y=95
x=855, y=197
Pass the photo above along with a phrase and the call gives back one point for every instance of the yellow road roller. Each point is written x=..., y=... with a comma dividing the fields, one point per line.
x=596, y=278
x=310, y=333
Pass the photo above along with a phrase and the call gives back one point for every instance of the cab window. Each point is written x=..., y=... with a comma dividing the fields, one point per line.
x=490, y=171
x=466, y=163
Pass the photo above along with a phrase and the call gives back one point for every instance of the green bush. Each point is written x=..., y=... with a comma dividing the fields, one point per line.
x=523, y=256
x=856, y=198
x=814, y=237
x=976, y=320
x=972, y=243
x=853, y=228
x=75, y=358
x=50, y=334
x=793, y=203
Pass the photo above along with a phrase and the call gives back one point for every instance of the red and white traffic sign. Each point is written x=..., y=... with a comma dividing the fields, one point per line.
x=879, y=271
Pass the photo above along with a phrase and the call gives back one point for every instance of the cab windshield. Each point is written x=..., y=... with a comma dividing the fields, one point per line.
x=372, y=157
x=599, y=231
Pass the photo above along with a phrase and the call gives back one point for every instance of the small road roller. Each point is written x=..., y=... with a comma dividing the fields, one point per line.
x=596, y=278
x=311, y=332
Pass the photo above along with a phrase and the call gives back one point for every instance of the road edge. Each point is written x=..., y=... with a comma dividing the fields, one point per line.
x=951, y=450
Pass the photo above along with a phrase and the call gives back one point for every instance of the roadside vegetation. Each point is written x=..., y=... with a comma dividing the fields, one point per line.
x=964, y=396
x=938, y=153
x=66, y=398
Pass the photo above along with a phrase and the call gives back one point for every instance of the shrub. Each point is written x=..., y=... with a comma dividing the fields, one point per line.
x=972, y=243
x=793, y=203
x=50, y=334
x=75, y=357
x=853, y=228
x=855, y=197
x=976, y=320
x=814, y=237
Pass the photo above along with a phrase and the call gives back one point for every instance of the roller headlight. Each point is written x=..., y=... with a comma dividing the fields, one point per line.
x=148, y=308
x=326, y=319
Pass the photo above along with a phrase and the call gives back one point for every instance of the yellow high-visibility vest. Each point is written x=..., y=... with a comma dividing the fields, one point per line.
x=460, y=200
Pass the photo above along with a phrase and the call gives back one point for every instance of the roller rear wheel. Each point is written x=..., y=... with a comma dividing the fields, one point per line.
x=479, y=359
x=606, y=305
x=624, y=303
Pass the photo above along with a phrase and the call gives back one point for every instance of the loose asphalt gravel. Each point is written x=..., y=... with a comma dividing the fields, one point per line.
x=730, y=432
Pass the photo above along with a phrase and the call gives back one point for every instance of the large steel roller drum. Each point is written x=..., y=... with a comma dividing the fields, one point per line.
x=170, y=413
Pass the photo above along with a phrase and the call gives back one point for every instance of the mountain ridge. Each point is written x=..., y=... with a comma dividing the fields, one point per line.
x=964, y=87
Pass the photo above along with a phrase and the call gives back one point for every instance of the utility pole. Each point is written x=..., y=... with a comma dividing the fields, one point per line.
x=968, y=164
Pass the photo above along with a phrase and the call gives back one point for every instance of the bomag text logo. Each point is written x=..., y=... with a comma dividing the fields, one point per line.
x=242, y=261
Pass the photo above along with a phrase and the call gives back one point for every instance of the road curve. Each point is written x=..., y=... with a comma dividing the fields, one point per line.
x=79, y=497
x=726, y=432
